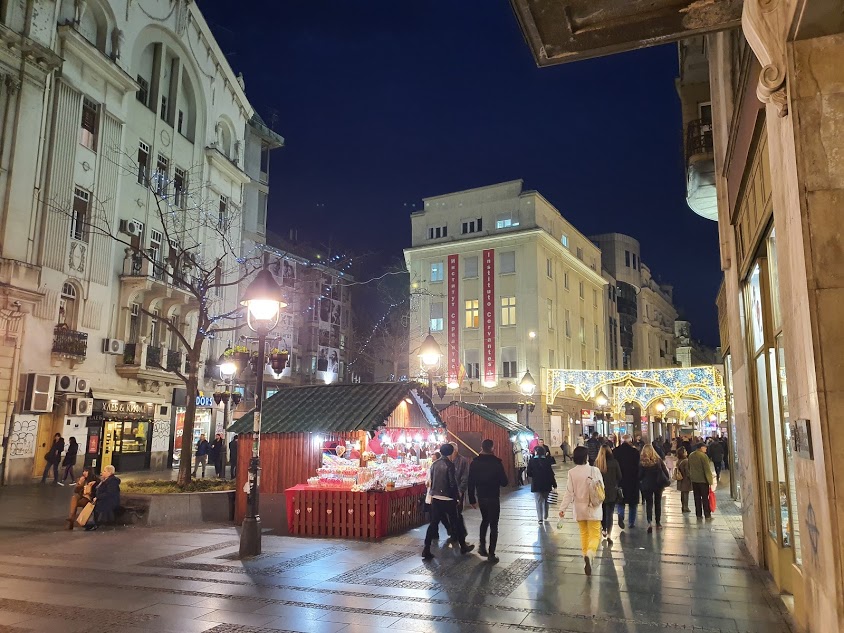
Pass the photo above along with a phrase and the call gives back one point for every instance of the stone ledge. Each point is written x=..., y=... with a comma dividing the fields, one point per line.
x=184, y=508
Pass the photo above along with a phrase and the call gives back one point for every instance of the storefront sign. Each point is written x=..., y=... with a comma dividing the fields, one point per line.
x=114, y=406
x=489, y=316
x=204, y=401
x=453, y=321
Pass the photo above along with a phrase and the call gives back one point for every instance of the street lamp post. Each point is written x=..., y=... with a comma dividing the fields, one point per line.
x=601, y=401
x=528, y=387
x=228, y=369
x=660, y=408
x=430, y=356
x=263, y=302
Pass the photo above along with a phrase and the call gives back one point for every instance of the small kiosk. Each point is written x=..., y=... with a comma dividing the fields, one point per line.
x=344, y=460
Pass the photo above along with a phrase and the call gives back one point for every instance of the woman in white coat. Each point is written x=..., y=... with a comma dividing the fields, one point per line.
x=588, y=517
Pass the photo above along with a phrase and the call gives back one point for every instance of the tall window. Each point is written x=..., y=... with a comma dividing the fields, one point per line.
x=472, y=226
x=508, y=310
x=473, y=364
x=627, y=259
x=582, y=331
x=180, y=180
x=89, y=124
x=552, y=359
x=174, y=343
x=595, y=297
x=508, y=362
x=508, y=262
x=143, y=163
x=67, y=305
x=222, y=212
x=473, y=317
x=580, y=286
x=568, y=324
x=162, y=175
x=549, y=267
x=155, y=254
x=154, y=330
x=163, y=112
x=81, y=216
x=437, y=271
x=549, y=308
x=180, y=122
x=564, y=240
x=437, y=317
x=506, y=220
x=470, y=267
x=134, y=322
x=566, y=280
x=597, y=338
x=142, y=93
x=635, y=264
x=579, y=253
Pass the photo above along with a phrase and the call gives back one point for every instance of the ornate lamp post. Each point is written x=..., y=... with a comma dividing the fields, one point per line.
x=430, y=356
x=660, y=408
x=228, y=368
x=528, y=387
x=601, y=402
x=263, y=302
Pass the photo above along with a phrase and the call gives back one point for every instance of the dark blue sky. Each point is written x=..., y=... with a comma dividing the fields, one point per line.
x=385, y=102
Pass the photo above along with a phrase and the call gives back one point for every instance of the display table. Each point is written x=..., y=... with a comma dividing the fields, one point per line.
x=341, y=513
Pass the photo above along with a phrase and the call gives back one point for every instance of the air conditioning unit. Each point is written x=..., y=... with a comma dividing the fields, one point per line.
x=65, y=383
x=38, y=396
x=82, y=385
x=130, y=227
x=113, y=346
x=162, y=411
x=81, y=406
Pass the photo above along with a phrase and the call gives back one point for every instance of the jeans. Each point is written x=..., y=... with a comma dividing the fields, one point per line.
x=68, y=472
x=490, y=511
x=447, y=510
x=653, y=504
x=47, y=467
x=541, y=500
x=606, y=522
x=631, y=513
x=701, y=493
x=590, y=537
x=200, y=459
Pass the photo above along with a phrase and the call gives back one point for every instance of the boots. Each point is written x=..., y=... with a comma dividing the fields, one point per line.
x=482, y=549
x=426, y=553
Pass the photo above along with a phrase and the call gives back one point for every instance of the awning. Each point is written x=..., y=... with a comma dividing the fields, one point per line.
x=145, y=398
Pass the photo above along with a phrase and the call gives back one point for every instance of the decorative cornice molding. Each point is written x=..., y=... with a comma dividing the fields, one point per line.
x=766, y=24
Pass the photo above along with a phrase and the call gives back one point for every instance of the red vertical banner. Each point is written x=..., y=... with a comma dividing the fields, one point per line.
x=453, y=320
x=489, y=315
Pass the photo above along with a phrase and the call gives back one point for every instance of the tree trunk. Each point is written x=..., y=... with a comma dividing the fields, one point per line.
x=191, y=386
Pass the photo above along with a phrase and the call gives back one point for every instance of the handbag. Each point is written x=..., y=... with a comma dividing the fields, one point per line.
x=552, y=497
x=678, y=476
x=619, y=495
x=597, y=494
x=712, y=502
x=664, y=479
x=85, y=515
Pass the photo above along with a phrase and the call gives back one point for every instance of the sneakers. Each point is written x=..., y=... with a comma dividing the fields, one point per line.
x=587, y=567
x=482, y=550
x=60, y=483
x=621, y=522
x=467, y=548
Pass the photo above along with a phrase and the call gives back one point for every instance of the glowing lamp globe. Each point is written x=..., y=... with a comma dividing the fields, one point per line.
x=430, y=353
x=263, y=301
x=527, y=385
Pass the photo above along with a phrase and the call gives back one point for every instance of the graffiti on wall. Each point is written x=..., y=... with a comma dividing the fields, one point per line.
x=160, y=436
x=23, y=436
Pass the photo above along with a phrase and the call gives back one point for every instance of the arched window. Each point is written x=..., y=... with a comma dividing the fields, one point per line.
x=68, y=306
x=225, y=139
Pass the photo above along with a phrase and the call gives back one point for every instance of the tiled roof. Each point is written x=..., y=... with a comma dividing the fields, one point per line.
x=335, y=408
x=492, y=416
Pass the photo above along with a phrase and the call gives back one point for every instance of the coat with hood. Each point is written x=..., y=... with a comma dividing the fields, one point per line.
x=628, y=459
x=486, y=477
x=541, y=474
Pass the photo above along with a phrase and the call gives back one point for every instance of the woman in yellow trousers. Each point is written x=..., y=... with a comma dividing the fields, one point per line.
x=580, y=480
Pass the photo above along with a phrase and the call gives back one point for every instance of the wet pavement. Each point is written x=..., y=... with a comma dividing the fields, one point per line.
x=689, y=576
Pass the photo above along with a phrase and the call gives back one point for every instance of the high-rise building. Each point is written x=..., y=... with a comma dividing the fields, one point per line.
x=507, y=286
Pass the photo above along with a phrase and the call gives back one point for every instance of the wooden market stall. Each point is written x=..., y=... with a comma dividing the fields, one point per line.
x=470, y=424
x=308, y=436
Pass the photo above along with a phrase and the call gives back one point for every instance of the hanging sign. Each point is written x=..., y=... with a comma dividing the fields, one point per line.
x=489, y=315
x=453, y=321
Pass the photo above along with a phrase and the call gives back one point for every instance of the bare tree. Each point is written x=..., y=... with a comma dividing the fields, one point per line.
x=204, y=258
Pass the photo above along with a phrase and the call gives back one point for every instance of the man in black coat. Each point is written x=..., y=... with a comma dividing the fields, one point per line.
x=487, y=477
x=53, y=457
x=233, y=456
x=716, y=454
x=444, y=496
x=593, y=447
x=628, y=458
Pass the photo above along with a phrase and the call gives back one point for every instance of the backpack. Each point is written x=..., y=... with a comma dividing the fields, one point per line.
x=597, y=494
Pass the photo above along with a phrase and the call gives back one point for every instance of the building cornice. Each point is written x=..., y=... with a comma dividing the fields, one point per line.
x=80, y=48
x=24, y=47
x=226, y=166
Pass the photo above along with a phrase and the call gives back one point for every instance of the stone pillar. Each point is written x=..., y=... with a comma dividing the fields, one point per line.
x=802, y=54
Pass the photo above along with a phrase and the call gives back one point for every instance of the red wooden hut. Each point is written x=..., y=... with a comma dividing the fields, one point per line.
x=470, y=424
x=298, y=422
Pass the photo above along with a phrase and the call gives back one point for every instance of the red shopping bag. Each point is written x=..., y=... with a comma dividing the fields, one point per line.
x=712, y=503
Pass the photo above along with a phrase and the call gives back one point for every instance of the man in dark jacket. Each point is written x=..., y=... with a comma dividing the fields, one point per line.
x=716, y=454
x=233, y=456
x=215, y=454
x=486, y=478
x=53, y=457
x=628, y=458
x=202, y=447
x=593, y=447
x=444, y=496
x=106, y=497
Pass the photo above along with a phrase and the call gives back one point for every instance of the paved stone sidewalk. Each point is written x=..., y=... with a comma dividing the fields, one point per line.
x=690, y=575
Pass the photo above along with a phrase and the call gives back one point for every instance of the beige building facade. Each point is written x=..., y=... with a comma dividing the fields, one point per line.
x=506, y=286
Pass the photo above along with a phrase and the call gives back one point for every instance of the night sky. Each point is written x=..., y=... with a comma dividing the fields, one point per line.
x=382, y=103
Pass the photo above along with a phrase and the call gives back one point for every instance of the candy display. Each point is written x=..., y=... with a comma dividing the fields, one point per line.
x=373, y=477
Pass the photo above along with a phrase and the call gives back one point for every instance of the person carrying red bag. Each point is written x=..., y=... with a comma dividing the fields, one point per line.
x=702, y=478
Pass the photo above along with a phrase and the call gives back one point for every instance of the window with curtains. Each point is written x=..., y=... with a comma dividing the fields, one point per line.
x=89, y=124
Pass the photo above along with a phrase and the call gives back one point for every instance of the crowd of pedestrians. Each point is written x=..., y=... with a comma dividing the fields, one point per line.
x=606, y=482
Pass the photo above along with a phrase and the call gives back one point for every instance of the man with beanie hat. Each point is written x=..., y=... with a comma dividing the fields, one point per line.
x=701, y=475
x=444, y=496
x=487, y=477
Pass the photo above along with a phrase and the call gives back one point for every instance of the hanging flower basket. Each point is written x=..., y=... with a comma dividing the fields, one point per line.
x=239, y=354
x=441, y=388
x=278, y=360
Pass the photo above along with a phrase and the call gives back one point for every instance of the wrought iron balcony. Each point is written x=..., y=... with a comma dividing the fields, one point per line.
x=142, y=361
x=174, y=360
x=70, y=343
x=153, y=356
x=698, y=139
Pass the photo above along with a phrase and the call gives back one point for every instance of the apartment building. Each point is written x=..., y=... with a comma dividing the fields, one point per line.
x=509, y=286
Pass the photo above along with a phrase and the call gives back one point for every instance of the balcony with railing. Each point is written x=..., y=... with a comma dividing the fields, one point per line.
x=174, y=360
x=143, y=361
x=69, y=343
x=700, y=169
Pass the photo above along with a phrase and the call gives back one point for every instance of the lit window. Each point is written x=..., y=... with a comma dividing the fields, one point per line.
x=81, y=215
x=470, y=267
x=437, y=271
x=508, y=262
x=437, y=317
x=89, y=124
x=473, y=317
x=506, y=220
x=162, y=175
x=143, y=163
x=508, y=310
x=564, y=240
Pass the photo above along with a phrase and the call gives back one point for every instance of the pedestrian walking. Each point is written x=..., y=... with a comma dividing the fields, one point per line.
x=486, y=478
x=53, y=457
x=582, y=481
x=593, y=446
x=653, y=479
x=542, y=481
x=566, y=448
x=611, y=474
x=69, y=460
x=461, y=472
x=215, y=454
x=233, y=456
x=519, y=462
x=628, y=459
x=444, y=496
x=202, y=448
x=701, y=476
x=657, y=446
x=715, y=452
x=684, y=481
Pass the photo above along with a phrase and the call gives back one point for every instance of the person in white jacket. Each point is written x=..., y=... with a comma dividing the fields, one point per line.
x=588, y=517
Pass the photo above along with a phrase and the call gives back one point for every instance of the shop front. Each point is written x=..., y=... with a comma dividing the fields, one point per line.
x=120, y=435
x=204, y=423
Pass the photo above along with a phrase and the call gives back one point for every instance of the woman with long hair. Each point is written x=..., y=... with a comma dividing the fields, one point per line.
x=684, y=485
x=579, y=485
x=69, y=460
x=653, y=478
x=542, y=480
x=611, y=472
